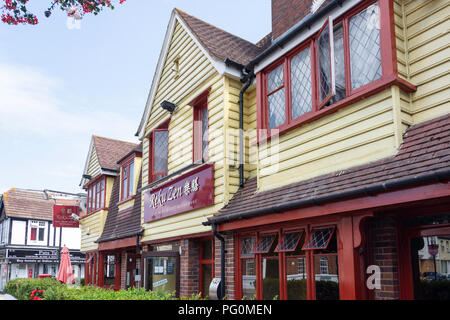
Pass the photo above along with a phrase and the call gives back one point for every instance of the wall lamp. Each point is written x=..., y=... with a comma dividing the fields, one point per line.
x=86, y=176
x=169, y=106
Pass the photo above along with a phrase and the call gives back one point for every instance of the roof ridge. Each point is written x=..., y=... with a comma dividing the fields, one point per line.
x=111, y=139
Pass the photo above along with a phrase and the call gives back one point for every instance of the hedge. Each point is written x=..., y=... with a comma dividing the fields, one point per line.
x=54, y=290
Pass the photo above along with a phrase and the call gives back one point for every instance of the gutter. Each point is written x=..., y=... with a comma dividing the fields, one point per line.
x=222, y=260
x=441, y=176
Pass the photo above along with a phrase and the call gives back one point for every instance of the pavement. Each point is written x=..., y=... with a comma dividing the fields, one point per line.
x=6, y=297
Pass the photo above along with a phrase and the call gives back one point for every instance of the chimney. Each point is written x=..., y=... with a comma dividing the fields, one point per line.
x=286, y=13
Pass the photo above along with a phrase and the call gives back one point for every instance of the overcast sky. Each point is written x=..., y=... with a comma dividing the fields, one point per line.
x=59, y=86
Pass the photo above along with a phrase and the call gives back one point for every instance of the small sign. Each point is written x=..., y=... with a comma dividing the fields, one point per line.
x=160, y=283
x=63, y=216
x=190, y=191
x=433, y=249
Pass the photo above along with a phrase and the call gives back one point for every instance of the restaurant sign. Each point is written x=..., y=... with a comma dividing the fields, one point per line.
x=41, y=256
x=63, y=216
x=190, y=191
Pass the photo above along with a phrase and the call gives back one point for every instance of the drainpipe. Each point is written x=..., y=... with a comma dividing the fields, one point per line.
x=222, y=259
x=247, y=79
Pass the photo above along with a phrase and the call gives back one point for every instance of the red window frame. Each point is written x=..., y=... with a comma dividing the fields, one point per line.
x=126, y=164
x=33, y=234
x=388, y=64
x=94, y=196
x=200, y=104
x=203, y=262
x=151, y=174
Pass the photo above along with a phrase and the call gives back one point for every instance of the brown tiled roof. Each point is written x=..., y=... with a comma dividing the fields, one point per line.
x=425, y=150
x=31, y=204
x=109, y=151
x=123, y=224
x=219, y=43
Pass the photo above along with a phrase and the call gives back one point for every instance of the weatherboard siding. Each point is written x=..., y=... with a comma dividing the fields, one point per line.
x=95, y=223
x=423, y=55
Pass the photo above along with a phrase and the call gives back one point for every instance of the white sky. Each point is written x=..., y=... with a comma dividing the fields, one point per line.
x=59, y=86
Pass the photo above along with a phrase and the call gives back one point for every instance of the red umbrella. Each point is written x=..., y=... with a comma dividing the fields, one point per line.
x=65, y=272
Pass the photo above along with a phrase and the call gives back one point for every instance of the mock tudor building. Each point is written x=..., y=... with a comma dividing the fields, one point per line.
x=30, y=242
x=353, y=148
x=111, y=227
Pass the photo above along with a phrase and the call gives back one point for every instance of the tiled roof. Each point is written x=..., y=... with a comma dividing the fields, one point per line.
x=221, y=44
x=109, y=151
x=31, y=204
x=125, y=223
x=425, y=150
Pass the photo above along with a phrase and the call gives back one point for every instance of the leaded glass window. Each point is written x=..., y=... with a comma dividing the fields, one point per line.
x=325, y=84
x=160, y=155
x=301, y=89
x=319, y=239
x=264, y=244
x=247, y=246
x=289, y=242
x=365, y=52
x=276, y=98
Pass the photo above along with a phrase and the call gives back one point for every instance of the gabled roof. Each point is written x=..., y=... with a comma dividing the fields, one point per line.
x=108, y=152
x=219, y=43
x=123, y=224
x=35, y=204
x=425, y=153
x=216, y=44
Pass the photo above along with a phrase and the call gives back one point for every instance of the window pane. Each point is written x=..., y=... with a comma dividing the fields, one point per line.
x=324, y=65
x=326, y=272
x=102, y=194
x=41, y=234
x=296, y=274
x=206, y=278
x=94, y=193
x=98, y=195
x=247, y=246
x=248, y=278
x=205, y=133
x=161, y=151
x=339, y=64
x=33, y=234
x=365, y=55
x=277, y=112
x=301, y=83
x=207, y=249
x=131, y=187
x=271, y=273
x=275, y=79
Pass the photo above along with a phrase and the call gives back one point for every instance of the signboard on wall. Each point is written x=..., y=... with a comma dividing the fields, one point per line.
x=190, y=191
x=41, y=256
x=62, y=216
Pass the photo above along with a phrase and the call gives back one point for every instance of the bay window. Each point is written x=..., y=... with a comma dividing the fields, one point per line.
x=340, y=60
x=96, y=195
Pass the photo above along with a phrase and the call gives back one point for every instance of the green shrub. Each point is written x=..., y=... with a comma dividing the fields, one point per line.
x=54, y=290
x=22, y=288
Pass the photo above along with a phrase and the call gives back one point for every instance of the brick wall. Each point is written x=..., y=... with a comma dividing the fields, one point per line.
x=123, y=270
x=229, y=264
x=189, y=267
x=383, y=245
x=286, y=13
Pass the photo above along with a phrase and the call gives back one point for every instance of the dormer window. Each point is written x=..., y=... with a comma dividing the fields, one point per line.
x=127, y=179
x=342, y=59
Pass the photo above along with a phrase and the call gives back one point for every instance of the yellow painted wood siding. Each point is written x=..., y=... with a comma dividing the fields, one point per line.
x=196, y=74
x=93, y=166
x=363, y=132
x=95, y=223
x=426, y=55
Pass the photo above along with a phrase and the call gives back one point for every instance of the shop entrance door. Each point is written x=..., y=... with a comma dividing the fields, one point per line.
x=425, y=262
x=131, y=270
x=162, y=271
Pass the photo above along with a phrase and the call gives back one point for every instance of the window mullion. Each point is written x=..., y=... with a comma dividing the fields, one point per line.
x=348, y=79
x=287, y=91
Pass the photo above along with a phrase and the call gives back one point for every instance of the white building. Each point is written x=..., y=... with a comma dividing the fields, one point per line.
x=29, y=243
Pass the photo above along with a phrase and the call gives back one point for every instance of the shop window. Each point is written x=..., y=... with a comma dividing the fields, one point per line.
x=270, y=270
x=206, y=265
x=248, y=271
x=162, y=273
x=96, y=195
x=159, y=153
x=295, y=264
x=110, y=270
x=340, y=58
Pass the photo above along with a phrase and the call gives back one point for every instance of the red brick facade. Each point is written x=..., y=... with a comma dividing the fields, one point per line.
x=189, y=267
x=383, y=246
x=229, y=264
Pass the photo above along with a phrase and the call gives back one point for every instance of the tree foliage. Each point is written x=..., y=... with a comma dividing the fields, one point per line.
x=15, y=12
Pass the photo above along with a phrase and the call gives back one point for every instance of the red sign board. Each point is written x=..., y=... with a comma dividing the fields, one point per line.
x=62, y=216
x=190, y=191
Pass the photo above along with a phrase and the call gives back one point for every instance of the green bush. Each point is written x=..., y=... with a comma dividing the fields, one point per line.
x=22, y=288
x=54, y=290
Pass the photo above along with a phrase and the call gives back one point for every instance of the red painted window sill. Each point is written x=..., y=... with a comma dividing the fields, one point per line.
x=127, y=199
x=264, y=134
x=95, y=211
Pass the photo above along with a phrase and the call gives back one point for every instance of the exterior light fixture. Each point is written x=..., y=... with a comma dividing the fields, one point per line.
x=169, y=106
x=86, y=176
